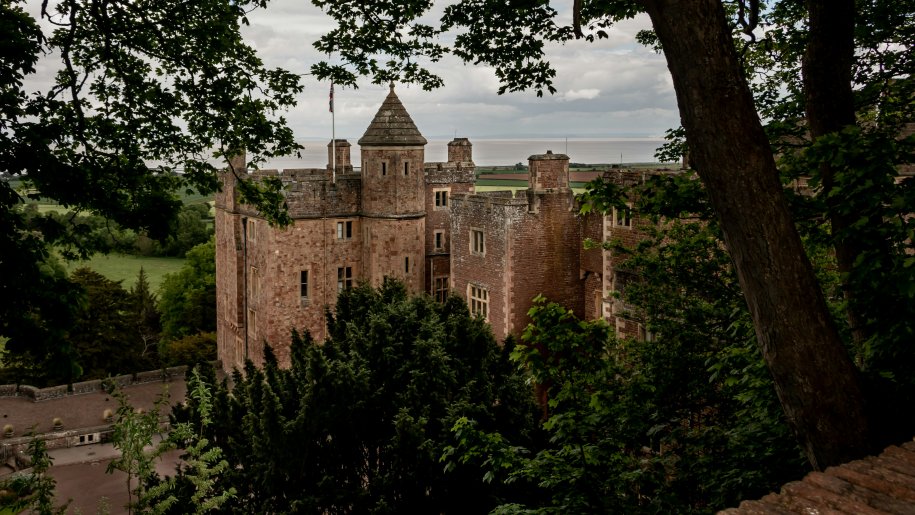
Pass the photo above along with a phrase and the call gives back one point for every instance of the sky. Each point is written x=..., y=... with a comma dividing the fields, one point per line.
x=611, y=88
x=608, y=89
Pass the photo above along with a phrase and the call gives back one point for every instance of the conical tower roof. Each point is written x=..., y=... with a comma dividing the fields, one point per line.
x=392, y=126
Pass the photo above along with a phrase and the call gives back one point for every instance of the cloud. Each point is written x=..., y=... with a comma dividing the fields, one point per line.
x=579, y=94
x=611, y=86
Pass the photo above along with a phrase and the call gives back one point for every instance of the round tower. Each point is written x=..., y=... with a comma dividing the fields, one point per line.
x=393, y=197
x=393, y=152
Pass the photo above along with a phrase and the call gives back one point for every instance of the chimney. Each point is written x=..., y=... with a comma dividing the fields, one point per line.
x=343, y=161
x=238, y=162
x=460, y=150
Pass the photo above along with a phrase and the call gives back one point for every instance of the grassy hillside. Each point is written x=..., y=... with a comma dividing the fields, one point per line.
x=121, y=267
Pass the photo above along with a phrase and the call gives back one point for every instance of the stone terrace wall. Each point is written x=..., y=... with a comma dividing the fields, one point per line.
x=96, y=385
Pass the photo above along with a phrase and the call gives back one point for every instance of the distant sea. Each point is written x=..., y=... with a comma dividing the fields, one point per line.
x=503, y=152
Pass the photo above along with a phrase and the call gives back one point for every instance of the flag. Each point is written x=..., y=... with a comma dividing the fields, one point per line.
x=331, y=97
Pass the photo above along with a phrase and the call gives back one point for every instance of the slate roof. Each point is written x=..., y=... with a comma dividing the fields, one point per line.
x=875, y=485
x=392, y=126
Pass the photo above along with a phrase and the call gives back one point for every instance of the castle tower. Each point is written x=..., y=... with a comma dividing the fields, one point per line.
x=549, y=172
x=393, y=196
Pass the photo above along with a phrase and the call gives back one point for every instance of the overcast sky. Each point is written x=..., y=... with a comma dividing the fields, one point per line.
x=610, y=88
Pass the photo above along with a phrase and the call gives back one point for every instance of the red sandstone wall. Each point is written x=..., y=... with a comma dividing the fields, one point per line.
x=387, y=243
x=456, y=179
x=494, y=216
x=546, y=251
x=594, y=295
x=394, y=193
x=593, y=229
x=311, y=194
x=310, y=245
x=226, y=295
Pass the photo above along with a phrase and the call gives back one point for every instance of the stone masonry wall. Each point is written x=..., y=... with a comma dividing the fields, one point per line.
x=389, y=243
x=392, y=193
x=280, y=257
x=311, y=194
x=549, y=171
x=495, y=214
x=453, y=178
x=546, y=248
x=229, y=299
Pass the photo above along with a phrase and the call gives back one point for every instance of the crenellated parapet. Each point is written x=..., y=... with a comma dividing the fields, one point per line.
x=450, y=172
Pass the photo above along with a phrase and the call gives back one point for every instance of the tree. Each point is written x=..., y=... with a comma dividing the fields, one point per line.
x=187, y=298
x=124, y=95
x=34, y=491
x=102, y=335
x=133, y=437
x=203, y=463
x=817, y=383
x=38, y=347
x=190, y=350
x=191, y=230
x=358, y=423
x=145, y=323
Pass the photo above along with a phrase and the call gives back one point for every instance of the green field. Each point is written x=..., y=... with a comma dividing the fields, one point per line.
x=121, y=267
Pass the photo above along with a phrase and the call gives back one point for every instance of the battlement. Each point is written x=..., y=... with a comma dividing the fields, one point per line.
x=487, y=199
x=631, y=177
x=449, y=172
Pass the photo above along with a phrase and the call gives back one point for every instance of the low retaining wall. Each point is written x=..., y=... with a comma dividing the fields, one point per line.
x=95, y=385
x=14, y=451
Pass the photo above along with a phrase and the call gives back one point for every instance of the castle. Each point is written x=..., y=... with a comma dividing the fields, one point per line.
x=421, y=223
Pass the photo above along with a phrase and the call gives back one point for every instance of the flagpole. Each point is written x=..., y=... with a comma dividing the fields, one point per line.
x=333, y=136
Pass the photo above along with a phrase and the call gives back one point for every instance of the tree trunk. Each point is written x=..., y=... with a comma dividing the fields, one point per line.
x=827, y=69
x=816, y=382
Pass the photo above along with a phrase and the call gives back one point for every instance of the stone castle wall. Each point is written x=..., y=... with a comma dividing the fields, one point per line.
x=392, y=181
x=495, y=214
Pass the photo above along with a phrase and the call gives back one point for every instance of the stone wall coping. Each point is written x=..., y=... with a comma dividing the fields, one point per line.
x=505, y=198
x=92, y=386
x=548, y=156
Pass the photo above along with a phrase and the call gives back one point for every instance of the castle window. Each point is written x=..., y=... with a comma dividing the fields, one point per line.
x=255, y=283
x=622, y=217
x=252, y=323
x=384, y=168
x=406, y=169
x=344, y=230
x=406, y=264
x=479, y=301
x=440, y=289
x=439, y=238
x=477, y=242
x=252, y=230
x=621, y=282
x=303, y=283
x=441, y=199
x=344, y=278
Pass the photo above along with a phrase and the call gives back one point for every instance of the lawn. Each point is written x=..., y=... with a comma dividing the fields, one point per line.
x=122, y=267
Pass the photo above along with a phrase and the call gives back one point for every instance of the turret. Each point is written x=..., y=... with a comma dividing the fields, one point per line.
x=549, y=171
x=460, y=150
x=393, y=152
